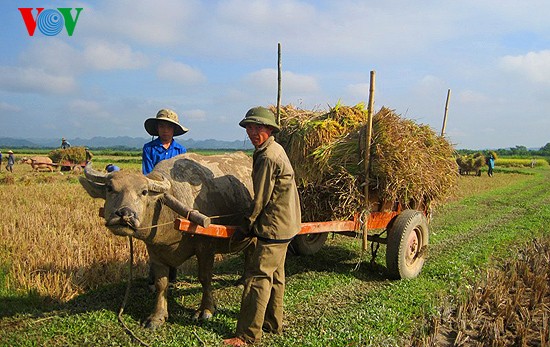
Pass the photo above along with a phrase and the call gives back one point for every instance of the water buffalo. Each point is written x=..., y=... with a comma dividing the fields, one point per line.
x=39, y=163
x=216, y=185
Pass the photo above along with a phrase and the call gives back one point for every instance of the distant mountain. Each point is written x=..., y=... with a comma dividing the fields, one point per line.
x=15, y=143
x=124, y=142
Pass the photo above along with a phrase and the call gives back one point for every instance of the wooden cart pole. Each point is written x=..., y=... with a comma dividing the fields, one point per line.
x=279, y=83
x=445, y=114
x=368, y=139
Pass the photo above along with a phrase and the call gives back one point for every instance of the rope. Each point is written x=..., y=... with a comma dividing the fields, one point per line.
x=227, y=215
x=153, y=226
x=362, y=220
x=126, y=294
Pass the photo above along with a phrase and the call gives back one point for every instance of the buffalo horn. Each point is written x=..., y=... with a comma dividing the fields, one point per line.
x=158, y=186
x=93, y=175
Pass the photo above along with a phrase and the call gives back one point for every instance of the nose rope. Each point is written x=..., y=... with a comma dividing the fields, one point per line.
x=154, y=226
x=126, y=295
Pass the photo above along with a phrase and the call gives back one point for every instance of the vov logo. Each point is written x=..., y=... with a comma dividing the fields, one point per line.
x=50, y=22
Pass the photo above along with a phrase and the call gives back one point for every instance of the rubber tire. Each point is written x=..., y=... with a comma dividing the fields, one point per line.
x=307, y=244
x=410, y=229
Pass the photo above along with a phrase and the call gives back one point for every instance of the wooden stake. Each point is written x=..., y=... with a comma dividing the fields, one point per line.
x=279, y=83
x=368, y=139
x=445, y=114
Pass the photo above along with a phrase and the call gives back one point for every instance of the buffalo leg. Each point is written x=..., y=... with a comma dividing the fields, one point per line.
x=206, y=265
x=160, y=315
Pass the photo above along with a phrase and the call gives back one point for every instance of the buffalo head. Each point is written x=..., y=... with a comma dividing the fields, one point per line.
x=129, y=197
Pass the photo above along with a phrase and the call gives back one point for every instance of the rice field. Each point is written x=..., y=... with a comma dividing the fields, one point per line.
x=521, y=163
x=53, y=242
x=55, y=248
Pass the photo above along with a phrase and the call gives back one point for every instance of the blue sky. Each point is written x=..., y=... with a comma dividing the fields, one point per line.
x=211, y=61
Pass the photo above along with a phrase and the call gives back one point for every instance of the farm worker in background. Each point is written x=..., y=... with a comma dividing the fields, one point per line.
x=274, y=220
x=11, y=161
x=65, y=144
x=0, y=161
x=490, y=165
x=111, y=168
x=89, y=155
x=165, y=125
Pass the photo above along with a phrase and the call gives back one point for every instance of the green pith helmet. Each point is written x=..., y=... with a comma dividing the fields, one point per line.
x=260, y=115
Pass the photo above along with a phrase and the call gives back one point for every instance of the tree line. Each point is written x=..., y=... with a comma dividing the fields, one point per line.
x=520, y=151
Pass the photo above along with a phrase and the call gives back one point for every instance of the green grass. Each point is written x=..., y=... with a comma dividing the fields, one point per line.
x=333, y=298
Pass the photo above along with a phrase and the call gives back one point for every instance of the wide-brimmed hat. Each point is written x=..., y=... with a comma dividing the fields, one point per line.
x=10, y=152
x=164, y=115
x=260, y=115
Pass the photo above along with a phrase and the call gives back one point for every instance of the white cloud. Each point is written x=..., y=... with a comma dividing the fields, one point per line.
x=33, y=80
x=328, y=29
x=58, y=55
x=180, y=73
x=470, y=96
x=193, y=115
x=156, y=23
x=534, y=65
x=88, y=108
x=428, y=84
x=234, y=95
x=104, y=55
x=297, y=83
x=52, y=55
x=359, y=91
x=264, y=17
x=265, y=80
x=4, y=106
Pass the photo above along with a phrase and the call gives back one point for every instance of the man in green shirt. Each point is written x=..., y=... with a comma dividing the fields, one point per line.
x=275, y=219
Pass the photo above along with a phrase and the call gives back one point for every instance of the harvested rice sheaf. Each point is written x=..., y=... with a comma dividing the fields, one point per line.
x=72, y=154
x=471, y=163
x=409, y=162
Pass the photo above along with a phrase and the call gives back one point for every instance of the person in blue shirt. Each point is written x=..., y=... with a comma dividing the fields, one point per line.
x=11, y=161
x=491, y=165
x=165, y=125
x=65, y=144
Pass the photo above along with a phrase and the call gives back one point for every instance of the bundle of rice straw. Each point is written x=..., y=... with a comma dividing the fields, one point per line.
x=471, y=163
x=72, y=154
x=409, y=162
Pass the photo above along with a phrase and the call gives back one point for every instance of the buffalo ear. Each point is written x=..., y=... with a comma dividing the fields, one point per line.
x=95, y=190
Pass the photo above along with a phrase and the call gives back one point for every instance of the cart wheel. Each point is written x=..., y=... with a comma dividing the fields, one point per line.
x=407, y=242
x=307, y=244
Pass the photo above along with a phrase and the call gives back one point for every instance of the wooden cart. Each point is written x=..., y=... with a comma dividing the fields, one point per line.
x=406, y=241
x=407, y=230
x=67, y=165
